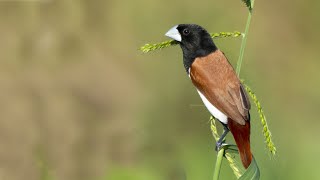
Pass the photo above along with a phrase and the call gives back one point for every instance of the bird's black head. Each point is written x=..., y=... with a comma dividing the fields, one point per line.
x=194, y=41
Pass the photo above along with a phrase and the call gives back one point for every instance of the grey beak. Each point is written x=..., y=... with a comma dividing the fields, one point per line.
x=174, y=34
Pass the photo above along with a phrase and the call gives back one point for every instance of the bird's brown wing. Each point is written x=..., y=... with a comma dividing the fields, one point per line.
x=215, y=78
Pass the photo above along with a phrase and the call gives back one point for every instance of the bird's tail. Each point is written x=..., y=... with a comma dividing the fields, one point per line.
x=241, y=134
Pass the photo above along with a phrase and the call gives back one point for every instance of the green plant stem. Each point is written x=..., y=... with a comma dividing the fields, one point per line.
x=228, y=155
x=239, y=63
x=244, y=40
x=218, y=164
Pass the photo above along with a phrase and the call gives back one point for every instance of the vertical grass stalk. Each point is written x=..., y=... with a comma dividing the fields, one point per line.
x=244, y=40
x=228, y=155
x=239, y=63
x=218, y=164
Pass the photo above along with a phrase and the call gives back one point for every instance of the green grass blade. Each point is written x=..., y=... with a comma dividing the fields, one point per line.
x=252, y=173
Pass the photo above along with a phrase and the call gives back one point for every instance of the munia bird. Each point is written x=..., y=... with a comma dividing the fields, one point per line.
x=217, y=84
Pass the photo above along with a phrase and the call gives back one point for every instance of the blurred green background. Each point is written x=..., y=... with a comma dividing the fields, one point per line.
x=79, y=101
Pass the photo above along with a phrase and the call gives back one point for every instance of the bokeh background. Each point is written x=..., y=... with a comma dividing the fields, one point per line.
x=78, y=100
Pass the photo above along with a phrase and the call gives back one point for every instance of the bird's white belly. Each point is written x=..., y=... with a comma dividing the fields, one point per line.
x=213, y=110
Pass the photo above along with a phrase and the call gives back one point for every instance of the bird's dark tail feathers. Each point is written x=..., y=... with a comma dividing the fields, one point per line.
x=241, y=134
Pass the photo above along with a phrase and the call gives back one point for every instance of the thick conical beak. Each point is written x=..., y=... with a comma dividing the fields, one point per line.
x=174, y=34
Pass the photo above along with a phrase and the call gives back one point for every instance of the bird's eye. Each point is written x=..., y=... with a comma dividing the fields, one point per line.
x=186, y=32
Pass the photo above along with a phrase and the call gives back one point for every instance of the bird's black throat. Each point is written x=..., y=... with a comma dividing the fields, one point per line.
x=195, y=42
x=191, y=52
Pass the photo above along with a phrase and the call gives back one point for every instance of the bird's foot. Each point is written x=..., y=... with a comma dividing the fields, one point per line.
x=220, y=145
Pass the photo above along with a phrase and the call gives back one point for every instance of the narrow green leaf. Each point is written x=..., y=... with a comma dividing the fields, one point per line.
x=252, y=173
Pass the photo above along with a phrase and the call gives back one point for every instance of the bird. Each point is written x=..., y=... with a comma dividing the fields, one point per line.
x=217, y=83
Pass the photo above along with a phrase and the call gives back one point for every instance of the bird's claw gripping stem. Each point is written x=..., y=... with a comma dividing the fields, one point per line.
x=220, y=145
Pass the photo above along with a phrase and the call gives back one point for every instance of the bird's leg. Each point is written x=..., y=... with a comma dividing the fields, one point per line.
x=220, y=143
